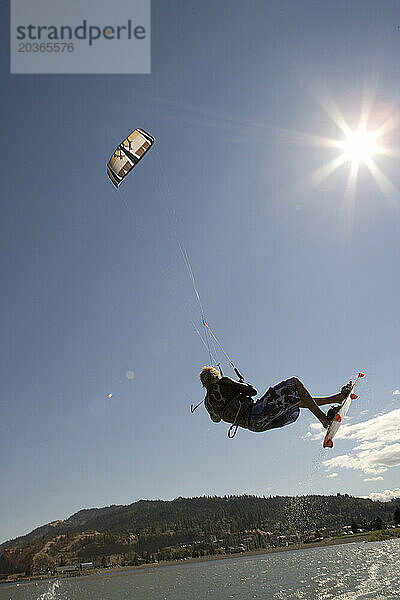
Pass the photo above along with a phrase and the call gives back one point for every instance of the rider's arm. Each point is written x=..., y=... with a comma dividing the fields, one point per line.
x=251, y=391
x=244, y=388
x=215, y=418
x=213, y=415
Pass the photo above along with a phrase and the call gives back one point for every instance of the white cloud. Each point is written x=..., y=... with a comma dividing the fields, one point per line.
x=372, y=478
x=396, y=393
x=377, y=445
x=346, y=461
x=386, y=495
x=317, y=432
x=383, y=428
x=332, y=475
x=315, y=426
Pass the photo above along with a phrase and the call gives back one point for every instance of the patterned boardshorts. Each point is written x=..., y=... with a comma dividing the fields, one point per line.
x=278, y=407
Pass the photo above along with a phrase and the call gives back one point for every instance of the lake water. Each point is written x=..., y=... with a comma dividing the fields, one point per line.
x=347, y=572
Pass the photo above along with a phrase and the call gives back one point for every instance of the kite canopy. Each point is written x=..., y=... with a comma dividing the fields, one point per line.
x=128, y=154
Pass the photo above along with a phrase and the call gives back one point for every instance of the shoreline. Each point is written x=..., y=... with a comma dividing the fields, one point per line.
x=113, y=572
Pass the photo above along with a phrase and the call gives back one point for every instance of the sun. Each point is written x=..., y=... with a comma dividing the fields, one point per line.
x=360, y=146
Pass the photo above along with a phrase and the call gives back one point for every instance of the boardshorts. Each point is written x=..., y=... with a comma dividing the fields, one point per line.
x=278, y=407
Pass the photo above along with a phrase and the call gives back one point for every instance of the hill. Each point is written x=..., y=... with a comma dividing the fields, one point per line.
x=161, y=530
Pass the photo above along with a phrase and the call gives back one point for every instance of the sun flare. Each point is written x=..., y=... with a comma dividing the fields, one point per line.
x=360, y=146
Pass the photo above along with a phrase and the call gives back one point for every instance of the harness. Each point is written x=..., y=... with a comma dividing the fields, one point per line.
x=243, y=401
x=232, y=431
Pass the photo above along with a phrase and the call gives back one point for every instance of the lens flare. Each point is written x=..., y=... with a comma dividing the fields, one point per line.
x=360, y=146
x=357, y=148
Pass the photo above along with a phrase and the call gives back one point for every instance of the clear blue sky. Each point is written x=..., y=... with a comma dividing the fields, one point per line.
x=295, y=279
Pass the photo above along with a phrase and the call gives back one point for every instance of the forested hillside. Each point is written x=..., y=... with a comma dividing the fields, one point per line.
x=156, y=530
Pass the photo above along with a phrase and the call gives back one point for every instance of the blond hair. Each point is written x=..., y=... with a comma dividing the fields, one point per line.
x=209, y=375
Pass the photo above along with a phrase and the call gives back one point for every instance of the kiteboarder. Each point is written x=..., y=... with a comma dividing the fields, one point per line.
x=232, y=402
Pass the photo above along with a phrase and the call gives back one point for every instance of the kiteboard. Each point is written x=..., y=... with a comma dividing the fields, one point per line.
x=340, y=415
